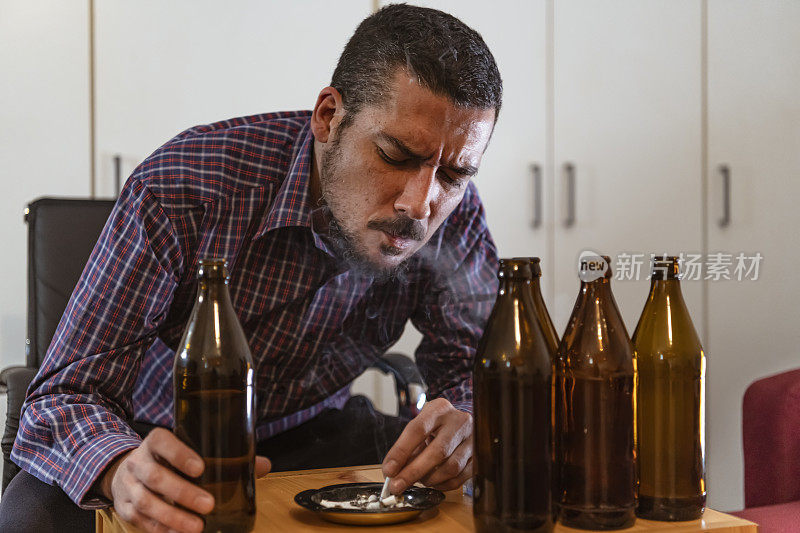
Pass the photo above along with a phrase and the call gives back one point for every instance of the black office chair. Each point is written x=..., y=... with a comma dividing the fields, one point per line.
x=61, y=235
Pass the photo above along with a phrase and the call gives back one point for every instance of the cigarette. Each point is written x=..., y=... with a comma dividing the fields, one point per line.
x=385, y=489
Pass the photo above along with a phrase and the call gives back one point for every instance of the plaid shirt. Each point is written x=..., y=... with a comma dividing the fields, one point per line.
x=239, y=189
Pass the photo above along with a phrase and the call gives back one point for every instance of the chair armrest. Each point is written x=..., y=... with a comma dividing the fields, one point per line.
x=771, y=440
x=401, y=366
x=408, y=382
x=772, y=518
x=17, y=381
x=4, y=376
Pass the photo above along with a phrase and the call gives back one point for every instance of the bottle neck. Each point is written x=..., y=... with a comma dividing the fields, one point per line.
x=598, y=287
x=212, y=289
x=536, y=291
x=514, y=287
x=666, y=288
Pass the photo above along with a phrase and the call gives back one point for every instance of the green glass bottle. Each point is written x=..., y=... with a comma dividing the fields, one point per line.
x=512, y=395
x=670, y=402
x=215, y=402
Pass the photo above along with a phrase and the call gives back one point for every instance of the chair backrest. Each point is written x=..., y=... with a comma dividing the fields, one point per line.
x=771, y=439
x=61, y=235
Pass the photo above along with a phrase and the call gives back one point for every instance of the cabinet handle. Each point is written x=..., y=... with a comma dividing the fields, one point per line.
x=536, y=172
x=118, y=173
x=569, y=172
x=725, y=172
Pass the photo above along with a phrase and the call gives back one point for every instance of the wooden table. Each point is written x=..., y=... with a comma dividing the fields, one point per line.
x=277, y=511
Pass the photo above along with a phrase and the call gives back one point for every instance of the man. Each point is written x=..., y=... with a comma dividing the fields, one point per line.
x=339, y=225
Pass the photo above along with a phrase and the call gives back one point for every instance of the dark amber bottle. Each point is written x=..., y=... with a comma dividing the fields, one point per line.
x=595, y=387
x=512, y=395
x=540, y=308
x=550, y=334
x=214, y=401
x=670, y=402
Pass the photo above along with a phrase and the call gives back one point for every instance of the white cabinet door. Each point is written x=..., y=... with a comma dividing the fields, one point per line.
x=753, y=129
x=44, y=134
x=627, y=109
x=165, y=66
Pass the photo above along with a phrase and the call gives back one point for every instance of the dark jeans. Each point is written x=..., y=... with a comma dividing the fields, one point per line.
x=356, y=435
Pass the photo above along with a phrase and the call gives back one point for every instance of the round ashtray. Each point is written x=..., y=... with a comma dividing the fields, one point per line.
x=417, y=499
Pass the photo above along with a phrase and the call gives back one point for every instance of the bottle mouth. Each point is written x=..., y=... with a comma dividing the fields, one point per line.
x=665, y=267
x=515, y=268
x=213, y=268
x=534, y=263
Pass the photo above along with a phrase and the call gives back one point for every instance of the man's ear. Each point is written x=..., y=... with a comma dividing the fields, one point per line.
x=328, y=112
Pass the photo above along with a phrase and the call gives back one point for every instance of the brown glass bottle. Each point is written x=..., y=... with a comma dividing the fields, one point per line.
x=512, y=395
x=539, y=306
x=214, y=401
x=546, y=323
x=670, y=402
x=595, y=387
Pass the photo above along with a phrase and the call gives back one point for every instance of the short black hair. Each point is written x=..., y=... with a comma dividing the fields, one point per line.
x=446, y=56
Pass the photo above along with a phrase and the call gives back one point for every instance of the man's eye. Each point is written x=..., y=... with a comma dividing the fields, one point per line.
x=450, y=181
x=388, y=159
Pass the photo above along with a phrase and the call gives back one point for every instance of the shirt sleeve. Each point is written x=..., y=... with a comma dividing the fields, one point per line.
x=456, y=304
x=73, y=422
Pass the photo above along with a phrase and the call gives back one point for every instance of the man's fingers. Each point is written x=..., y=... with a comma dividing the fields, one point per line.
x=162, y=480
x=164, y=444
x=412, y=437
x=415, y=434
x=150, y=505
x=452, y=467
x=141, y=521
x=145, y=523
x=453, y=484
x=418, y=450
x=263, y=466
x=434, y=454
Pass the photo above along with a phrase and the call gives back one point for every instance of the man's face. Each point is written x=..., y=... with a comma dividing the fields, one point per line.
x=398, y=170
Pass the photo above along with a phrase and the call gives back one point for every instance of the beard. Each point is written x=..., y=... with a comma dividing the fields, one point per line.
x=344, y=242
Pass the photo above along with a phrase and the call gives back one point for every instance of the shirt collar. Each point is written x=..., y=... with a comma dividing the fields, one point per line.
x=292, y=204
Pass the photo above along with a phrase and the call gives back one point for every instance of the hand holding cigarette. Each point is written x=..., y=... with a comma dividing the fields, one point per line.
x=435, y=449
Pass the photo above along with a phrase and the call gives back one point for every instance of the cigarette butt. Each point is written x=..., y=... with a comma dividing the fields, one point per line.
x=385, y=489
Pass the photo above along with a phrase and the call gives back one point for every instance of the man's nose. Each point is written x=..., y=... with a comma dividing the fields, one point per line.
x=415, y=199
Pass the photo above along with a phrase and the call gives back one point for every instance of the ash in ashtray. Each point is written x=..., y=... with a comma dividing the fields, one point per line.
x=366, y=502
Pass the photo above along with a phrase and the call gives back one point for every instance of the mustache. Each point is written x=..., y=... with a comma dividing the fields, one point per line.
x=400, y=226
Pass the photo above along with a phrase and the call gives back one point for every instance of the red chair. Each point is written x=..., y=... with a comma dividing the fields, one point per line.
x=771, y=439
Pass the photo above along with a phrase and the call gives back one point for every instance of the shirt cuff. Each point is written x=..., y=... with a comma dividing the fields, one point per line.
x=89, y=463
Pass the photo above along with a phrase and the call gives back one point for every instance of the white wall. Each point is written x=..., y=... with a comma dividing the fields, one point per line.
x=44, y=134
x=160, y=69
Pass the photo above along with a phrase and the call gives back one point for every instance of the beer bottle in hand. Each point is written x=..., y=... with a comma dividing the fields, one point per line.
x=595, y=383
x=512, y=384
x=214, y=401
x=670, y=402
